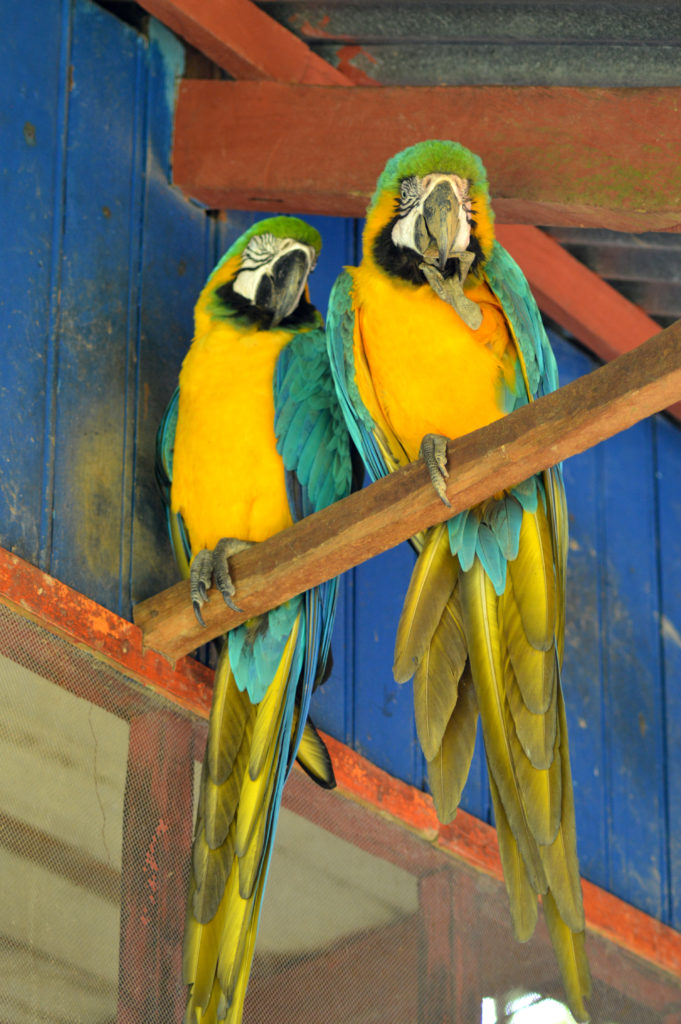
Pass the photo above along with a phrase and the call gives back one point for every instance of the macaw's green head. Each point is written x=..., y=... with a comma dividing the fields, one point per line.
x=431, y=205
x=262, y=278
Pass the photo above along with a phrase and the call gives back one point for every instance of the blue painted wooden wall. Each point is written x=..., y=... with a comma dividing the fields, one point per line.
x=102, y=261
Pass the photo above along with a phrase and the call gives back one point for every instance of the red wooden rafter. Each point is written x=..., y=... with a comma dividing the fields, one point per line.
x=239, y=37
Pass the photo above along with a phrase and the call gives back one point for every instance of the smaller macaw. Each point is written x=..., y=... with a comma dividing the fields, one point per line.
x=253, y=439
x=434, y=335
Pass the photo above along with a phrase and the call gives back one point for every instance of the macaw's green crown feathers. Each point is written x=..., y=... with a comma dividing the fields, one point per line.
x=424, y=158
x=280, y=227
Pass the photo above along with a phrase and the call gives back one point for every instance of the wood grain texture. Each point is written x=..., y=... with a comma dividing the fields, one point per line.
x=245, y=41
x=553, y=156
x=568, y=421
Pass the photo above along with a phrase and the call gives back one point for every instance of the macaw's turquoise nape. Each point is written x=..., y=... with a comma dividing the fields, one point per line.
x=252, y=440
x=434, y=335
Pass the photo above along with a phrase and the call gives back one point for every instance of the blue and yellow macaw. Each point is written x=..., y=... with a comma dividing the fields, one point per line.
x=436, y=334
x=252, y=440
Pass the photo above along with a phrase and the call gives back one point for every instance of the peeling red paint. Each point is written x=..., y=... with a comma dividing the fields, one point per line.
x=348, y=53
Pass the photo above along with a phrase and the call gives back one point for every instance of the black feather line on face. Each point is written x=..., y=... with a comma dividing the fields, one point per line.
x=404, y=263
x=227, y=304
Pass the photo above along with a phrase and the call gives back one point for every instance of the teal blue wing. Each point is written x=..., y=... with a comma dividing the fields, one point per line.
x=314, y=443
x=312, y=438
x=510, y=286
x=340, y=325
x=492, y=531
x=165, y=444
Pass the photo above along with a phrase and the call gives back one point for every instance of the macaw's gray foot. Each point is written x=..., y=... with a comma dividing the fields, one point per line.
x=208, y=565
x=450, y=289
x=433, y=451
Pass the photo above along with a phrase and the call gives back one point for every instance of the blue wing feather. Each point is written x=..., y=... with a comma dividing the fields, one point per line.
x=340, y=324
x=165, y=445
x=510, y=286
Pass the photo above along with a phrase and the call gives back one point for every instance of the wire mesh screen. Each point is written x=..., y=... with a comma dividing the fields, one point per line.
x=363, y=921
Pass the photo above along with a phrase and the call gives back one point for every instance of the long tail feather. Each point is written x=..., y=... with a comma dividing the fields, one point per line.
x=522, y=896
x=448, y=770
x=431, y=585
x=436, y=680
x=570, y=953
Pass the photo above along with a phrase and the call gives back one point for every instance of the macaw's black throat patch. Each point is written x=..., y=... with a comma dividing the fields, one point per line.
x=229, y=305
x=405, y=263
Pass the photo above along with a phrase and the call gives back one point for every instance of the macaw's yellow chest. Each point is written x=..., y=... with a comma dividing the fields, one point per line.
x=228, y=479
x=420, y=368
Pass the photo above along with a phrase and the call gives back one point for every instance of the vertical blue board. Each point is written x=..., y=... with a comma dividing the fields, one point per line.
x=582, y=667
x=100, y=276
x=612, y=675
x=32, y=126
x=668, y=476
x=631, y=681
x=177, y=253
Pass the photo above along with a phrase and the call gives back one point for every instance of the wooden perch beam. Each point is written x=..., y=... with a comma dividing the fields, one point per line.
x=589, y=157
x=245, y=41
x=383, y=515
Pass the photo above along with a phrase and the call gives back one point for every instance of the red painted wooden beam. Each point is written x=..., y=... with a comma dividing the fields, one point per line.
x=588, y=157
x=245, y=41
x=113, y=641
x=576, y=298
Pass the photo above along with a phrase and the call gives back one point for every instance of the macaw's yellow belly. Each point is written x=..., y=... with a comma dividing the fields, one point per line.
x=228, y=480
x=427, y=371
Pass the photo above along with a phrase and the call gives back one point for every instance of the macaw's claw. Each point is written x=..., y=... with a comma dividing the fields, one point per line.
x=207, y=565
x=433, y=451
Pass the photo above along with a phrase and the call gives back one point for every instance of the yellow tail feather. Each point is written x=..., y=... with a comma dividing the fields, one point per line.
x=448, y=770
x=431, y=585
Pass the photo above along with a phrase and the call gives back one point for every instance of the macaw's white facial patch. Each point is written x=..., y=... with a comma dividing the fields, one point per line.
x=408, y=230
x=259, y=258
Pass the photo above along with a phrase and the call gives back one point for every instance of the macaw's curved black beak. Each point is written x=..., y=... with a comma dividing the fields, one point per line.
x=438, y=225
x=279, y=291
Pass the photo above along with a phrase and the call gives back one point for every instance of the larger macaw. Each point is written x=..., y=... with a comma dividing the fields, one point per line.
x=436, y=334
x=252, y=440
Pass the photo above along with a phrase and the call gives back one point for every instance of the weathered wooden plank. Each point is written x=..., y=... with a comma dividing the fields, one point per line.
x=176, y=256
x=391, y=510
x=245, y=41
x=553, y=156
x=668, y=474
x=94, y=429
x=32, y=130
x=157, y=837
x=632, y=690
x=582, y=666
